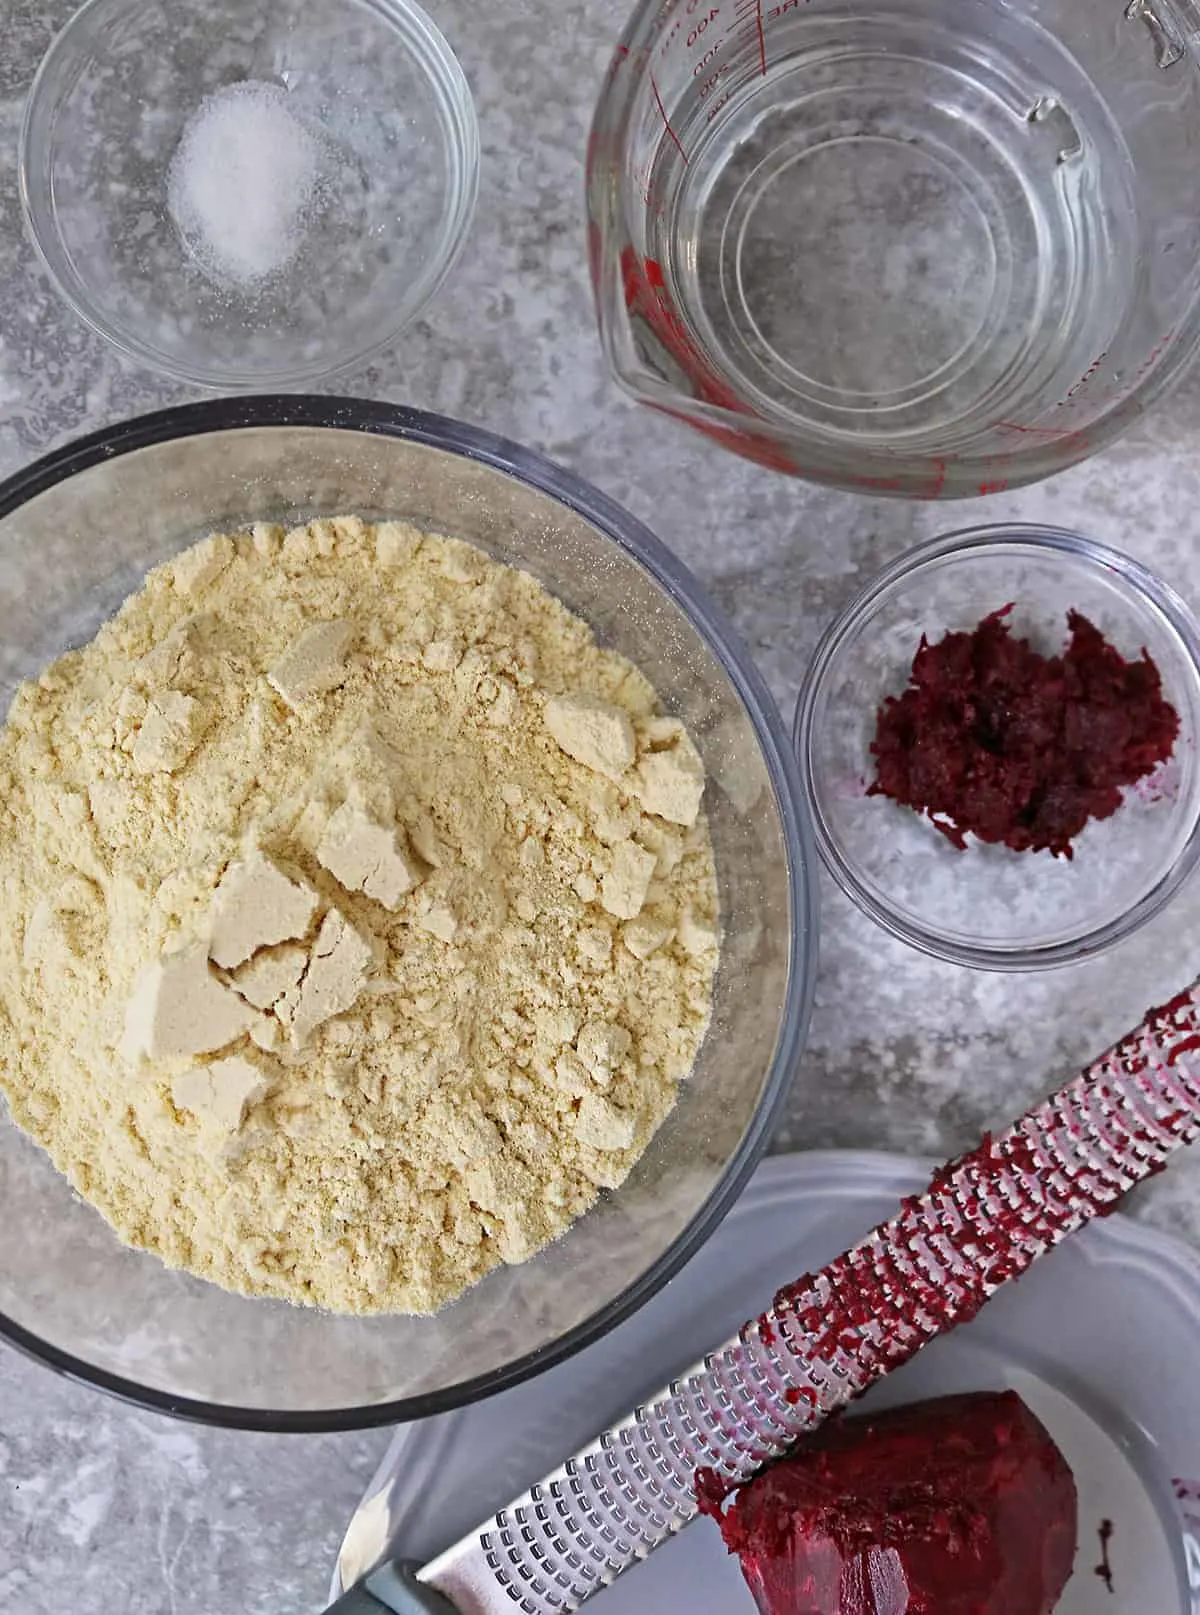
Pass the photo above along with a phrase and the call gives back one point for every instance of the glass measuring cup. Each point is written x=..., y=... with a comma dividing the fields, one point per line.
x=917, y=247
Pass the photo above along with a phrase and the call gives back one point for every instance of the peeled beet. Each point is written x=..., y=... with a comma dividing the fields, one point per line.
x=960, y=1506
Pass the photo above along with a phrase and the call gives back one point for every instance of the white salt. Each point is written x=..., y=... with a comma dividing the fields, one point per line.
x=242, y=180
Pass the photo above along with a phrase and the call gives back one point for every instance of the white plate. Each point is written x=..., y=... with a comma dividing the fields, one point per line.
x=1102, y=1338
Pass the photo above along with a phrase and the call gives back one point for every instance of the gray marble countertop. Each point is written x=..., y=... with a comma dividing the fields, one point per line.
x=106, y=1510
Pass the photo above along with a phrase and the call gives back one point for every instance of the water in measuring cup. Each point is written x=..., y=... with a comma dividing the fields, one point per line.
x=904, y=224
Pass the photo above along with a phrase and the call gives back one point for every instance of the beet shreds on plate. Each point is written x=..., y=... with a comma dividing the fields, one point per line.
x=995, y=740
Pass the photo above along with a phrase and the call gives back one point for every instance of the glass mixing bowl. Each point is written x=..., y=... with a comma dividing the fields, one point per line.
x=361, y=115
x=77, y=532
x=987, y=906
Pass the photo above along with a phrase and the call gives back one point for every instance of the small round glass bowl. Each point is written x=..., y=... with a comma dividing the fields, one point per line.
x=360, y=110
x=987, y=906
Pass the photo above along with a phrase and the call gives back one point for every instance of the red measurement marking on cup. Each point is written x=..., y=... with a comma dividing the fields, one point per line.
x=705, y=39
x=761, y=450
x=1065, y=435
x=716, y=106
x=748, y=16
x=1156, y=353
x=1051, y=432
x=648, y=299
x=595, y=245
x=700, y=25
x=1085, y=378
x=658, y=101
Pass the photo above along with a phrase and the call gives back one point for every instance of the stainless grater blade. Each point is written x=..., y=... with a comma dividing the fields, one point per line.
x=984, y=1219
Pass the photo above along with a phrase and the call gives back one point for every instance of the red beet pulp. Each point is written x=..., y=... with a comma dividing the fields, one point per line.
x=992, y=738
x=960, y=1506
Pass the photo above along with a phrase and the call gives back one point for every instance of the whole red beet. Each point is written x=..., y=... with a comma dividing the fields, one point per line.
x=960, y=1506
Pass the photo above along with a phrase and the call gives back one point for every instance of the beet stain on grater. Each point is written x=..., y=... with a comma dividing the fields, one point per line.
x=984, y=1219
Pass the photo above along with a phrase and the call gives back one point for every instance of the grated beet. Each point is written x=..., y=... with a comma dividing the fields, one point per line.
x=992, y=738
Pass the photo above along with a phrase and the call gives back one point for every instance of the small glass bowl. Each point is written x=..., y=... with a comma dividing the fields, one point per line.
x=987, y=906
x=385, y=117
